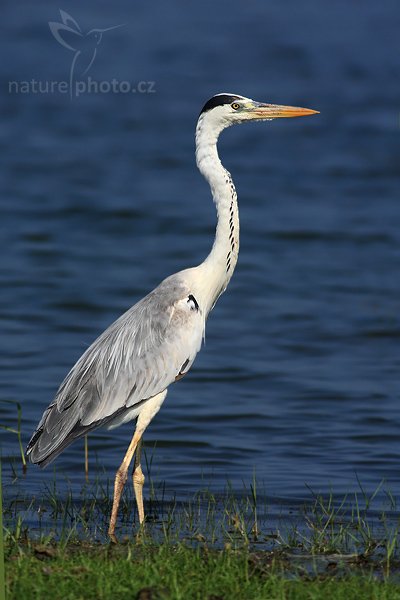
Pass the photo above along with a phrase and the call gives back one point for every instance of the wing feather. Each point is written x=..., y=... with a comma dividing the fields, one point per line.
x=137, y=357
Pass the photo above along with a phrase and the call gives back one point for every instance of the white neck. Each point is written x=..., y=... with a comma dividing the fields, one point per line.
x=220, y=263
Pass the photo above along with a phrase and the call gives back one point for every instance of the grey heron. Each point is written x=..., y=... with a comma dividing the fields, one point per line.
x=126, y=372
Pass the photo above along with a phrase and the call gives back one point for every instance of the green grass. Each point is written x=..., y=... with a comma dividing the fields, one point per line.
x=211, y=547
x=2, y=581
x=323, y=524
x=175, y=572
x=16, y=431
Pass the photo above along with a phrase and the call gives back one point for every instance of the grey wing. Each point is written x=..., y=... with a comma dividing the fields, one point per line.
x=150, y=346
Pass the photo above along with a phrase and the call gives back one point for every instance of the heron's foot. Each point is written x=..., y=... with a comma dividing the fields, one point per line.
x=141, y=534
x=113, y=537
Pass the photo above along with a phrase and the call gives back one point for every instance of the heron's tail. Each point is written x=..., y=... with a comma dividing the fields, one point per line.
x=53, y=435
x=43, y=448
x=58, y=428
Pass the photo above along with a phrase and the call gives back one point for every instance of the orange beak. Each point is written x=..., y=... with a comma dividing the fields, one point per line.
x=274, y=111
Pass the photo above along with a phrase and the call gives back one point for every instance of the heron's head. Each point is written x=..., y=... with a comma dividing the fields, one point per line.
x=223, y=110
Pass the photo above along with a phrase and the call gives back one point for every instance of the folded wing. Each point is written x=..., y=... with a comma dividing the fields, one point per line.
x=149, y=347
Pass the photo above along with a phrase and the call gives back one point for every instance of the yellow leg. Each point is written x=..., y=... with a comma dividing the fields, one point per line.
x=151, y=407
x=120, y=480
x=138, y=481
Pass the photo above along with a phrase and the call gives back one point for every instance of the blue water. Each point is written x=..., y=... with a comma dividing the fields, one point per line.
x=101, y=199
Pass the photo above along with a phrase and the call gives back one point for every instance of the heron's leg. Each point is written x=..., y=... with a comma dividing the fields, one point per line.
x=138, y=481
x=120, y=480
x=150, y=408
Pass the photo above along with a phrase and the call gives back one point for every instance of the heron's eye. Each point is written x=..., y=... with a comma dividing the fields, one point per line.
x=235, y=106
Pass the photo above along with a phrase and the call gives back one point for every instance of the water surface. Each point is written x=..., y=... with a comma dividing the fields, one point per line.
x=298, y=380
